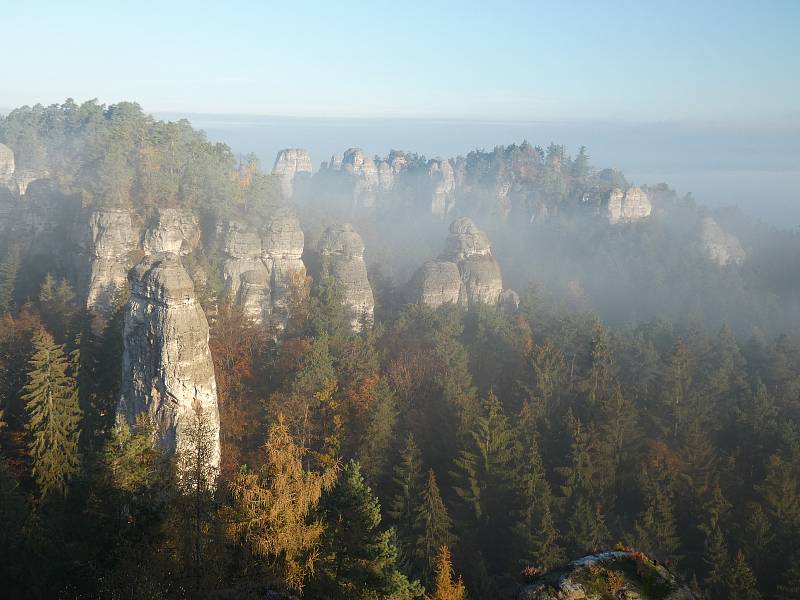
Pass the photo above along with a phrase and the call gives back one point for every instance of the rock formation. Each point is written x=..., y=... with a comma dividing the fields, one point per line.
x=632, y=205
x=112, y=239
x=365, y=173
x=290, y=163
x=7, y=166
x=443, y=185
x=720, y=246
x=466, y=273
x=166, y=364
x=259, y=265
x=174, y=230
x=616, y=574
x=341, y=252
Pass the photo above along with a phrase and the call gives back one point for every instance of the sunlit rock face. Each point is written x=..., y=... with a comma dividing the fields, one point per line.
x=341, y=252
x=174, y=230
x=628, y=207
x=614, y=574
x=365, y=173
x=720, y=246
x=112, y=239
x=290, y=163
x=260, y=266
x=466, y=273
x=443, y=184
x=167, y=365
x=7, y=165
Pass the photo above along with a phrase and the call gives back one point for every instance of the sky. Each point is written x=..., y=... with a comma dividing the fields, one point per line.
x=639, y=61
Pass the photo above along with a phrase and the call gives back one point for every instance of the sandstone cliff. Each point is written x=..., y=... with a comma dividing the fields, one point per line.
x=167, y=365
x=632, y=205
x=341, y=252
x=7, y=165
x=174, y=230
x=718, y=245
x=289, y=163
x=259, y=266
x=466, y=273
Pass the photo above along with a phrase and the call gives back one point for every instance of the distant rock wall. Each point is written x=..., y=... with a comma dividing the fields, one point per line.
x=341, y=252
x=167, y=365
x=627, y=207
x=720, y=246
x=289, y=163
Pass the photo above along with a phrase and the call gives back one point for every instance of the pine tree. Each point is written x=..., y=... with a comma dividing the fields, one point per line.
x=374, y=451
x=447, y=588
x=789, y=587
x=408, y=482
x=580, y=165
x=54, y=413
x=9, y=268
x=656, y=527
x=741, y=582
x=715, y=558
x=535, y=525
x=357, y=558
x=486, y=481
x=275, y=505
x=432, y=526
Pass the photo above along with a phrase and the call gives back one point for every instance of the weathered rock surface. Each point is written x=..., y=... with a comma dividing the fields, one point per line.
x=443, y=185
x=616, y=574
x=341, y=252
x=466, y=272
x=7, y=165
x=112, y=239
x=282, y=251
x=720, y=246
x=172, y=230
x=365, y=173
x=290, y=163
x=632, y=205
x=167, y=365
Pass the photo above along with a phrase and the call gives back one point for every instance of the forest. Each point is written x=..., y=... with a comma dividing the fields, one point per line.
x=441, y=453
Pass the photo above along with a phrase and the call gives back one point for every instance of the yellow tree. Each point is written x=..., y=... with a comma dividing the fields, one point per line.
x=274, y=507
x=447, y=587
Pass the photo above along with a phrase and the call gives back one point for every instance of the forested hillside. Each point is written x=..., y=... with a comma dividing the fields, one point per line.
x=445, y=453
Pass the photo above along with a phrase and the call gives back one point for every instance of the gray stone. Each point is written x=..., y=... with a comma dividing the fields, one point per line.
x=174, y=230
x=628, y=207
x=289, y=163
x=720, y=246
x=167, y=365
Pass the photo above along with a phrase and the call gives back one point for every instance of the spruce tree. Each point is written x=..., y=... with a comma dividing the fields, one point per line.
x=357, y=557
x=656, y=527
x=432, y=526
x=54, y=414
x=535, y=526
x=9, y=268
x=741, y=582
x=789, y=587
x=408, y=482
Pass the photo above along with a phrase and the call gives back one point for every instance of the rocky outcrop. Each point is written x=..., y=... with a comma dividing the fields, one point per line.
x=289, y=163
x=174, y=230
x=628, y=207
x=341, y=252
x=720, y=246
x=466, y=273
x=616, y=574
x=112, y=240
x=7, y=165
x=166, y=365
x=259, y=266
x=365, y=173
x=443, y=183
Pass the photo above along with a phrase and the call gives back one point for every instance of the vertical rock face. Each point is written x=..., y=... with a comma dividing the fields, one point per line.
x=288, y=164
x=7, y=164
x=341, y=252
x=466, y=273
x=365, y=173
x=632, y=205
x=167, y=365
x=173, y=230
x=443, y=184
x=259, y=266
x=720, y=246
x=113, y=238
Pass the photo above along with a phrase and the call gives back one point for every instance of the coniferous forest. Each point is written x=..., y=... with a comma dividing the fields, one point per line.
x=442, y=453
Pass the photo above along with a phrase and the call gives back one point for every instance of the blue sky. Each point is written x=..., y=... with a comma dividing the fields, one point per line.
x=635, y=61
